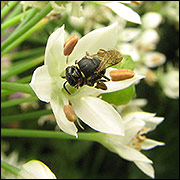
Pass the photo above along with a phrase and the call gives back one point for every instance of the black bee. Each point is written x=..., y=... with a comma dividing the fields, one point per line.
x=91, y=69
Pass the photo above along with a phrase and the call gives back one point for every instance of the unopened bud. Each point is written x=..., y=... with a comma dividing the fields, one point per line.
x=121, y=74
x=70, y=114
x=70, y=44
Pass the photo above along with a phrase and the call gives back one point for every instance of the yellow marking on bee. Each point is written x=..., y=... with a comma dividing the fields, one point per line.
x=80, y=71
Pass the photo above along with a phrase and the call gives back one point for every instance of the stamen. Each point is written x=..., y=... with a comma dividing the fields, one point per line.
x=70, y=114
x=70, y=44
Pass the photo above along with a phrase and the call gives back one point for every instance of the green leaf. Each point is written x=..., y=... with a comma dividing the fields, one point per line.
x=17, y=101
x=119, y=97
x=21, y=67
x=27, y=29
x=17, y=87
x=9, y=168
x=126, y=63
x=7, y=8
x=25, y=116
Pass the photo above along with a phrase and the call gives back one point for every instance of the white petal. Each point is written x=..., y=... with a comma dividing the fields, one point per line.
x=139, y=115
x=131, y=129
x=102, y=38
x=124, y=12
x=35, y=170
x=151, y=20
x=128, y=48
x=54, y=54
x=87, y=91
x=57, y=106
x=148, y=38
x=41, y=83
x=119, y=85
x=153, y=122
x=145, y=167
x=129, y=34
x=129, y=153
x=99, y=115
x=149, y=144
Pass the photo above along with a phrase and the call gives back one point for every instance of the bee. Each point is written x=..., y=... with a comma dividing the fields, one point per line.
x=90, y=70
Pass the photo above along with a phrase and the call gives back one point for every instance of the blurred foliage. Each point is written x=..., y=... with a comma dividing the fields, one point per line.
x=86, y=160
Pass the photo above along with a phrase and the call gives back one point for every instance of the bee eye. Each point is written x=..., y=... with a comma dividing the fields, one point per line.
x=121, y=74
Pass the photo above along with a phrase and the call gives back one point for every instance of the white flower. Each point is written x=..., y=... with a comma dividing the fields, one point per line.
x=48, y=83
x=129, y=34
x=129, y=146
x=151, y=20
x=170, y=82
x=154, y=59
x=124, y=12
x=35, y=169
x=148, y=40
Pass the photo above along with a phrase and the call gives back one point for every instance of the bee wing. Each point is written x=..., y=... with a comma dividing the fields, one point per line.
x=108, y=58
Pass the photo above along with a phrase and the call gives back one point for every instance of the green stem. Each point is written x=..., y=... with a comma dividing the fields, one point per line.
x=7, y=8
x=17, y=87
x=5, y=93
x=22, y=80
x=25, y=36
x=13, y=20
x=25, y=79
x=17, y=10
x=47, y=134
x=22, y=67
x=26, y=53
x=26, y=116
x=17, y=101
x=10, y=168
x=30, y=15
x=26, y=27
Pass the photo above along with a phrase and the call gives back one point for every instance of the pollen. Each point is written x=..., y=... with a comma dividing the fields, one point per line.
x=138, y=139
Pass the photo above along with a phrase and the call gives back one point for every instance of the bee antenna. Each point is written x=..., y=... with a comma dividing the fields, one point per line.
x=64, y=85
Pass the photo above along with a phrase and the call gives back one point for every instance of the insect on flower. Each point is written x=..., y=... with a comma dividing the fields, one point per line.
x=91, y=69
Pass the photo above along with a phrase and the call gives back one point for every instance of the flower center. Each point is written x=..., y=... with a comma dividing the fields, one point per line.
x=138, y=139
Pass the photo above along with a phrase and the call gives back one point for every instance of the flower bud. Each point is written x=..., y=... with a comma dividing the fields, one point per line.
x=70, y=44
x=70, y=114
x=121, y=74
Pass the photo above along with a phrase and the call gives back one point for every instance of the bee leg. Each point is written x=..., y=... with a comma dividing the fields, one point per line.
x=64, y=85
x=106, y=78
x=101, y=85
x=80, y=83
